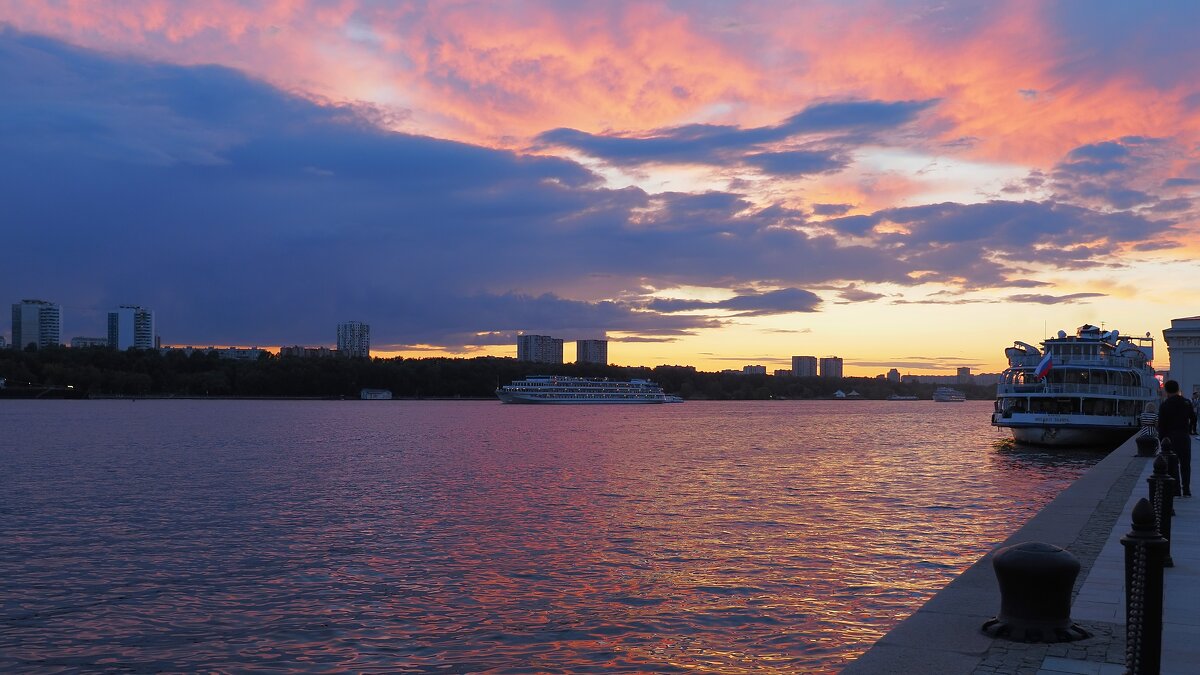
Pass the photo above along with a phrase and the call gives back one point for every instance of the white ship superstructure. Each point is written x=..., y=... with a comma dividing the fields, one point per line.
x=1085, y=389
x=562, y=390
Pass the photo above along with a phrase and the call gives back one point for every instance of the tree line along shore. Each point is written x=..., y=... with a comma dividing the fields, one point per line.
x=102, y=372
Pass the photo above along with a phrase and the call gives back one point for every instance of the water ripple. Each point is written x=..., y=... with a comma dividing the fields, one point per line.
x=422, y=537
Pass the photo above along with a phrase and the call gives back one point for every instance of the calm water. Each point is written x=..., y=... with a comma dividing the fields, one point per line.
x=476, y=537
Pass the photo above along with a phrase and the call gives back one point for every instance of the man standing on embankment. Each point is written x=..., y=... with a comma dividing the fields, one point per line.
x=1176, y=419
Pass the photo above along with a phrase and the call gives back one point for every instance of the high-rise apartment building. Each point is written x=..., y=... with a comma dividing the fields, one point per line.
x=893, y=375
x=591, y=351
x=964, y=375
x=539, y=349
x=131, y=326
x=354, y=339
x=36, y=322
x=831, y=366
x=804, y=366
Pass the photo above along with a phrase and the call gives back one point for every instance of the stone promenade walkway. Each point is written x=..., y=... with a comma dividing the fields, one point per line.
x=1101, y=598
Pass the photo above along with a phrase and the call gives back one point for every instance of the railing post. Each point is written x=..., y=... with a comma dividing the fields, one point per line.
x=1162, y=500
x=1172, y=461
x=1144, y=549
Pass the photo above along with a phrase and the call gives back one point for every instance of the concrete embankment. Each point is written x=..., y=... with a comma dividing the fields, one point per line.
x=944, y=635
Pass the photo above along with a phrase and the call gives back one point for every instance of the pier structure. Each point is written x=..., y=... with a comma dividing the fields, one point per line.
x=1088, y=519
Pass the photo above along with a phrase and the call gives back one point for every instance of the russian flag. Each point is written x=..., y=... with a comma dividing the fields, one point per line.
x=1043, y=366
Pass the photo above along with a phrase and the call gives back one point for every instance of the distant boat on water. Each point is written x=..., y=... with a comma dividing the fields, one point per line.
x=553, y=389
x=898, y=397
x=948, y=395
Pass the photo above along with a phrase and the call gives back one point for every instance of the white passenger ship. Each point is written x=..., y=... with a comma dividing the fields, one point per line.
x=561, y=389
x=1086, y=389
x=948, y=395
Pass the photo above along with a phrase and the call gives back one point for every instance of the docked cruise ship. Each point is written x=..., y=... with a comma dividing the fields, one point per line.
x=1085, y=389
x=573, y=390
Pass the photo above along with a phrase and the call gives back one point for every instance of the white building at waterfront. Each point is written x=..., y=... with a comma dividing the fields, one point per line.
x=804, y=366
x=131, y=326
x=540, y=349
x=354, y=339
x=36, y=322
x=86, y=342
x=591, y=351
x=1183, y=351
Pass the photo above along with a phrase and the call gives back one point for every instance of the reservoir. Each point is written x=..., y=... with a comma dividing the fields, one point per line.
x=470, y=536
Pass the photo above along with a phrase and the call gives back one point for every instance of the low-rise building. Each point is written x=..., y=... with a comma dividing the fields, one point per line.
x=754, y=370
x=84, y=342
x=307, y=352
x=234, y=353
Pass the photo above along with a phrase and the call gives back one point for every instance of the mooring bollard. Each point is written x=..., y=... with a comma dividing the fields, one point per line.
x=1172, y=461
x=1144, y=550
x=1162, y=500
x=1147, y=445
x=1035, y=594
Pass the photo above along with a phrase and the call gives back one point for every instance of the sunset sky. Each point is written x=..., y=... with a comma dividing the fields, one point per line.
x=902, y=184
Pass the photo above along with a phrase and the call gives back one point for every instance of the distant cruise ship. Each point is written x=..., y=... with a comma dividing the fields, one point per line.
x=577, y=390
x=948, y=395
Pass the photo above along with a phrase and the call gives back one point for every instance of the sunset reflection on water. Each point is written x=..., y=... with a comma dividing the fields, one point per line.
x=472, y=536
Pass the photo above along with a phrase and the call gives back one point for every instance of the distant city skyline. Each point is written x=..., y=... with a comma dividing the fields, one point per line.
x=904, y=184
x=353, y=338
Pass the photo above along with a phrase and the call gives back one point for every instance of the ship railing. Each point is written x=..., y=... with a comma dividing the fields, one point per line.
x=1073, y=360
x=1063, y=388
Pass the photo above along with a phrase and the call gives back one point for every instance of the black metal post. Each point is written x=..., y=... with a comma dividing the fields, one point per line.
x=1144, y=549
x=1162, y=500
x=1172, y=461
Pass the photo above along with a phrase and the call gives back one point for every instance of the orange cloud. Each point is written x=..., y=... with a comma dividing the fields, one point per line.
x=498, y=74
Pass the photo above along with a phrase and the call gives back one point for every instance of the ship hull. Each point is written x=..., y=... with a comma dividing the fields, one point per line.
x=549, y=400
x=1064, y=432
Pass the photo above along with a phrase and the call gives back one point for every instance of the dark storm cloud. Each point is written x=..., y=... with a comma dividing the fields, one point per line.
x=1053, y=299
x=723, y=144
x=854, y=294
x=797, y=162
x=781, y=301
x=831, y=209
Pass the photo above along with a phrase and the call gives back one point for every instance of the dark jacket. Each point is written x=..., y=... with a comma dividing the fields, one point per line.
x=1176, y=417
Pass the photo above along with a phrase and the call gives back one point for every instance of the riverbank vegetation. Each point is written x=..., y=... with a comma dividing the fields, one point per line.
x=105, y=372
